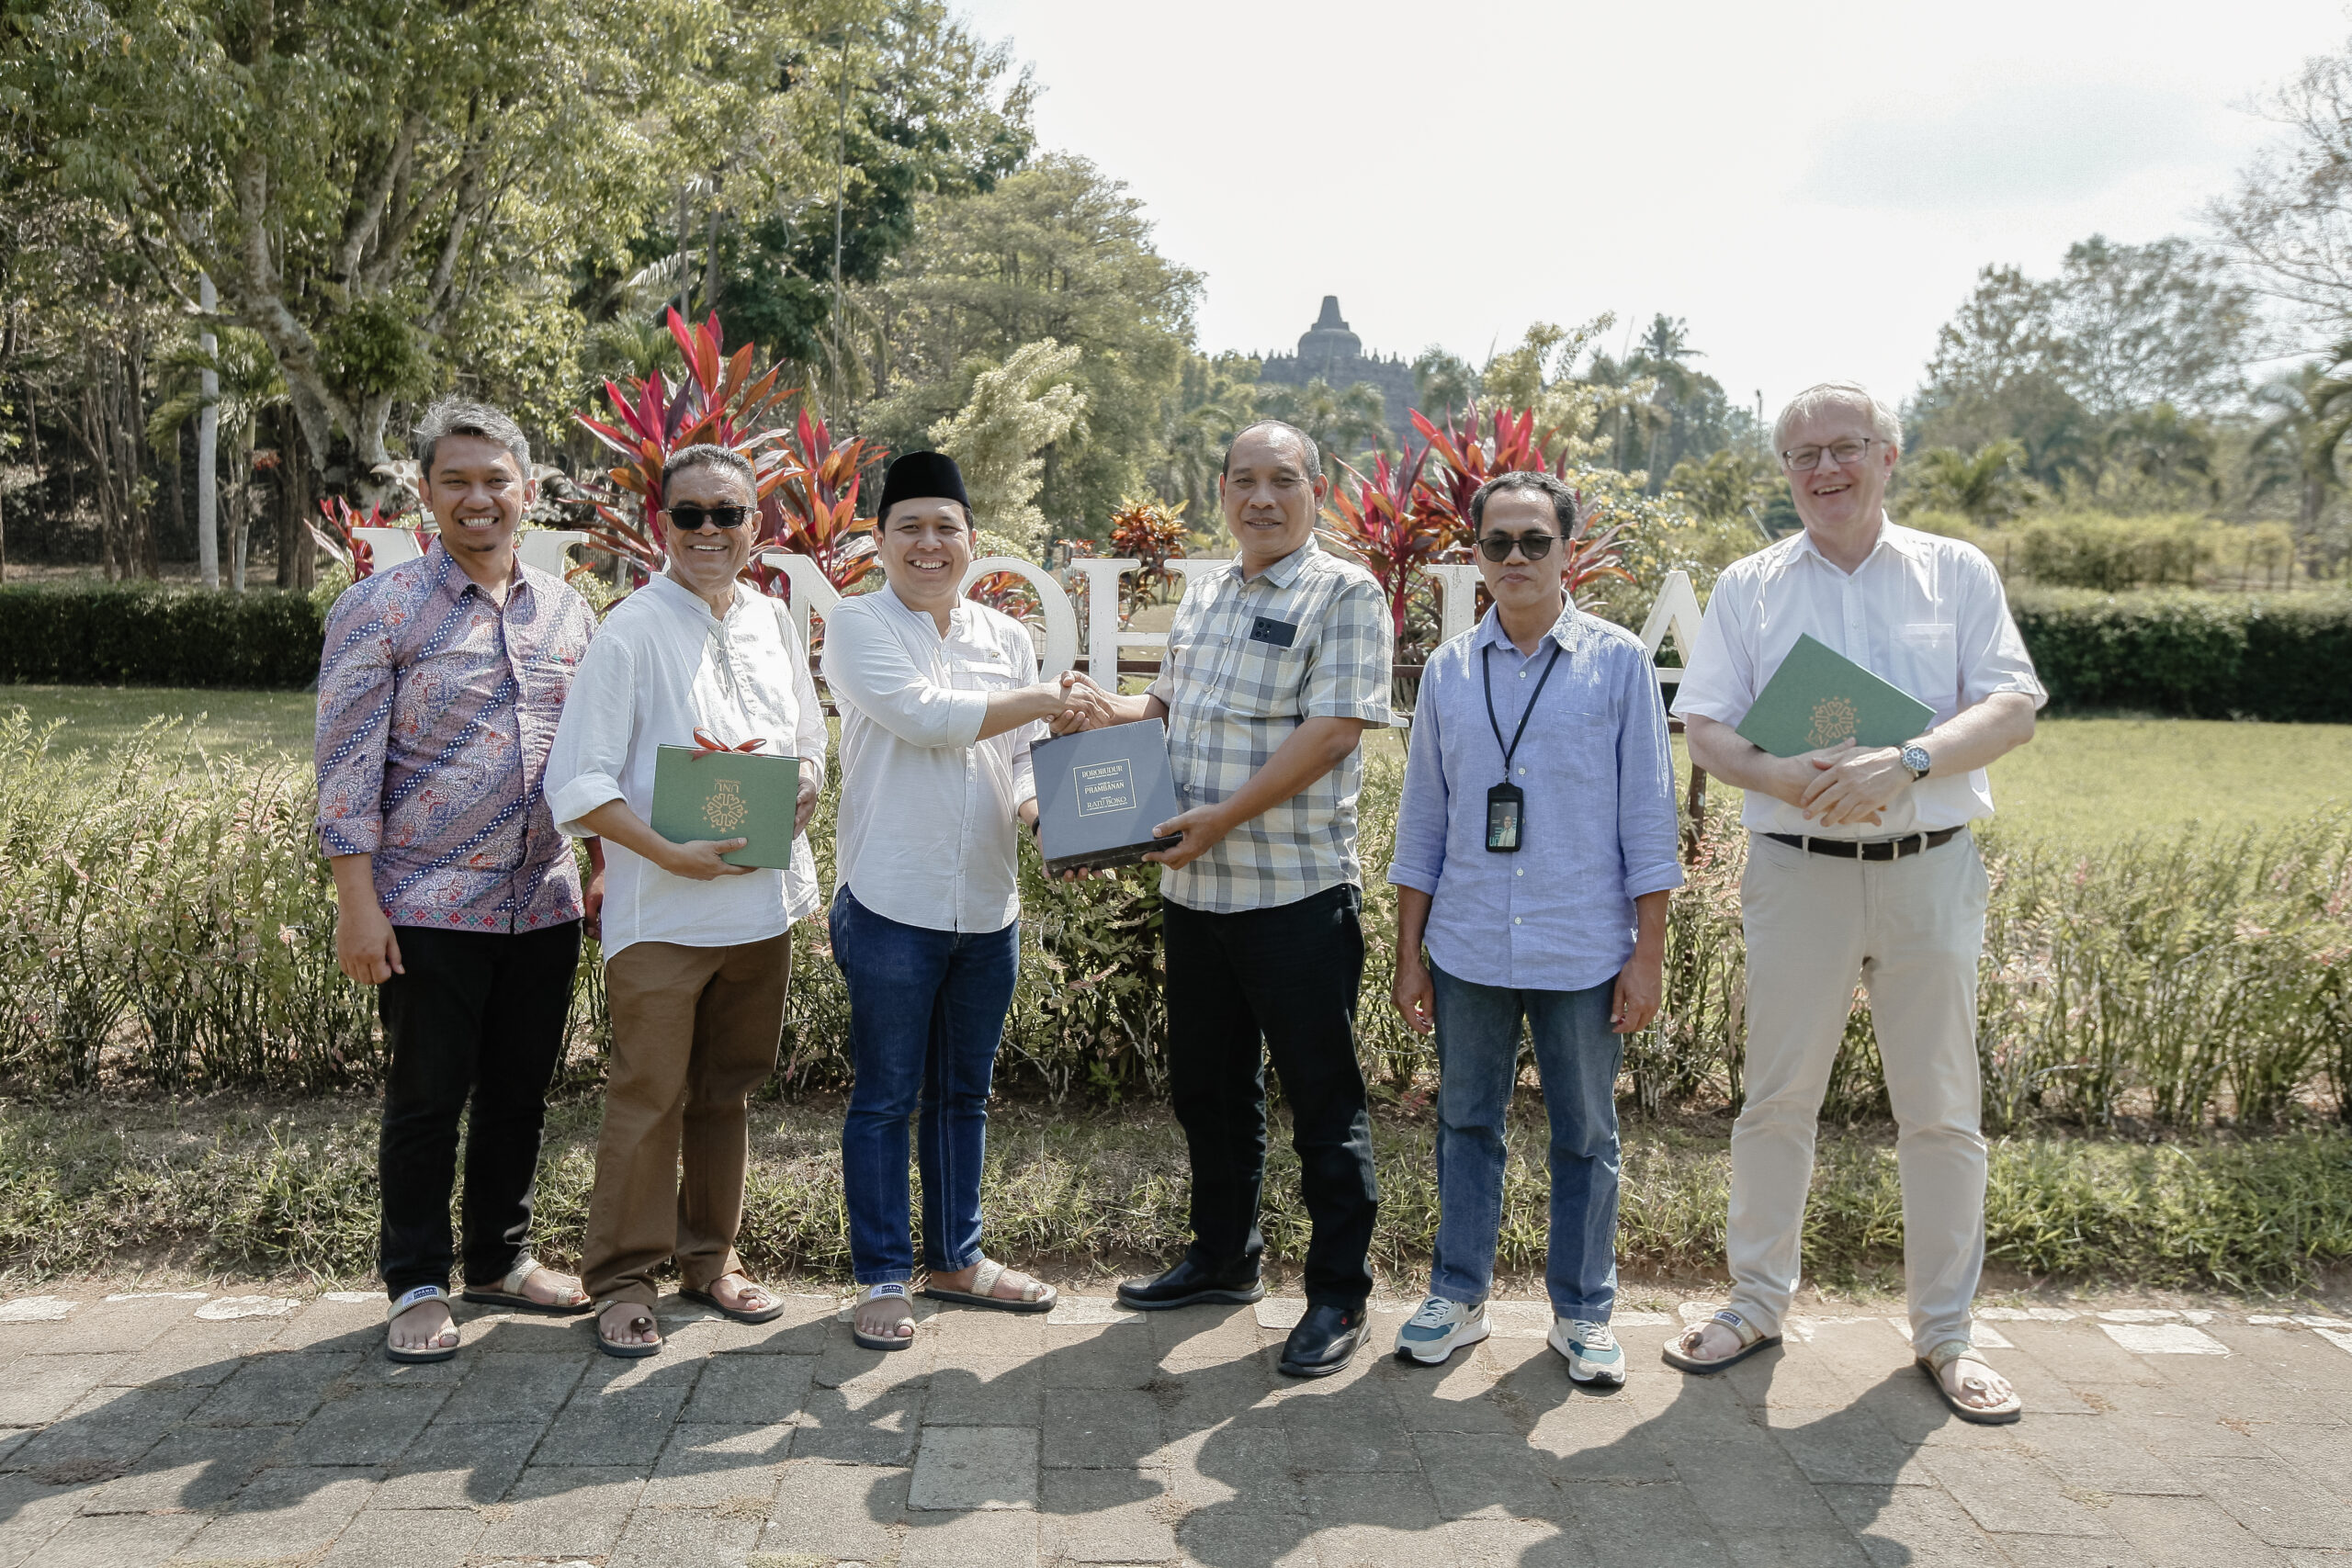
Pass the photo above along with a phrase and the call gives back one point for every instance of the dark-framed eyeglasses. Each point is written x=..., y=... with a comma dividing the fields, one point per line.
x=1803, y=459
x=1533, y=547
x=690, y=518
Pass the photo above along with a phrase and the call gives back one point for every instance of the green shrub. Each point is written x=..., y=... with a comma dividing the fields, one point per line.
x=166, y=923
x=142, y=635
x=2280, y=657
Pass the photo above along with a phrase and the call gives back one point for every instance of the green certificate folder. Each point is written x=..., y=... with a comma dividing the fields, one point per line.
x=1819, y=697
x=728, y=795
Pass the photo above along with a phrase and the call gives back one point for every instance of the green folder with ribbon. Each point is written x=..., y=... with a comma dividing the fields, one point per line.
x=1819, y=697
x=704, y=794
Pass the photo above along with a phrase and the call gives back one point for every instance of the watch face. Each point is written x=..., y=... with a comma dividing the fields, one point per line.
x=1916, y=759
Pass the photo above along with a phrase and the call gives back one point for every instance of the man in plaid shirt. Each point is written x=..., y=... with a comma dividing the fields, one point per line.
x=1276, y=663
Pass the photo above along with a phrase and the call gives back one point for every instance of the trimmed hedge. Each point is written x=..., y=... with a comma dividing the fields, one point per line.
x=140, y=635
x=2283, y=657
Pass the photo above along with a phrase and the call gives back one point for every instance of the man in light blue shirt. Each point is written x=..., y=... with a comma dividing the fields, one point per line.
x=1535, y=852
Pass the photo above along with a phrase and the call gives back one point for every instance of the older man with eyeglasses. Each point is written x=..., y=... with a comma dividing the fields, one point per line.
x=1860, y=864
x=697, y=951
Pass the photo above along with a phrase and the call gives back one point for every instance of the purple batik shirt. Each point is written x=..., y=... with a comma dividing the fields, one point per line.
x=436, y=707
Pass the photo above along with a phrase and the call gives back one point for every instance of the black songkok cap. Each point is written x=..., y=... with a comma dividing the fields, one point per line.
x=920, y=474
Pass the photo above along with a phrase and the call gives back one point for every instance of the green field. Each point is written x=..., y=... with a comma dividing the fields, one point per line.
x=2081, y=780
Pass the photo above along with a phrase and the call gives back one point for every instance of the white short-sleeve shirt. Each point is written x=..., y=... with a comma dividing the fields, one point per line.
x=1923, y=611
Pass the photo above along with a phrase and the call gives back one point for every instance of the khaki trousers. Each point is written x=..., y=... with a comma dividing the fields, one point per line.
x=1912, y=930
x=694, y=1031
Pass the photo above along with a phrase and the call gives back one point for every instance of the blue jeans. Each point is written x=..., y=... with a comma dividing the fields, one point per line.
x=926, y=1010
x=1577, y=1057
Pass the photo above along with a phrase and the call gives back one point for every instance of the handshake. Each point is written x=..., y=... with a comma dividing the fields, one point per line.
x=1071, y=702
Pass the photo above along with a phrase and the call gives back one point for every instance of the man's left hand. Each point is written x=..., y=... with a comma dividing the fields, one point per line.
x=1201, y=830
x=1856, y=787
x=806, y=807
x=592, y=907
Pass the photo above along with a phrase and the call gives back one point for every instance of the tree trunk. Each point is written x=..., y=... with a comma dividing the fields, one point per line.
x=297, y=556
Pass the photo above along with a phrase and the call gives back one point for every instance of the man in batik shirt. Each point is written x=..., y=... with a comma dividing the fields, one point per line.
x=439, y=690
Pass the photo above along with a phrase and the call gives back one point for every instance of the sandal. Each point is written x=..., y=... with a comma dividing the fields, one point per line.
x=1036, y=1296
x=417, y=1297
x=1934, y=1363
x=768, y=1313
x=509, y=1293
x=1751, y=1339
x=886, y=1341
x=637, y=1325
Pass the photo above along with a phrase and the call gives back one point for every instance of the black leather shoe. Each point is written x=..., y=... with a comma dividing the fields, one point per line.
x=1187, y=1284
x=1324, y=1342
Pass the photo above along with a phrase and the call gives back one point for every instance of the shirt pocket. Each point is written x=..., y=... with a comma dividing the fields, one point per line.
x=1927, y=663
x=1263, y=681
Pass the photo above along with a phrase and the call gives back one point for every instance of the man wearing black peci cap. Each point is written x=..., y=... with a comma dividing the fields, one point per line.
x=939, y=702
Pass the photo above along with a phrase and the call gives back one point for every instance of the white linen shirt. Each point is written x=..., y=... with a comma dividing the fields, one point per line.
x=929, y=831
x=662, y=665
x=1923, y=611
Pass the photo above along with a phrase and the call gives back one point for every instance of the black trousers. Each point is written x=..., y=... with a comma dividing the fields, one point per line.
x=480, y=1014
x=1276, y=983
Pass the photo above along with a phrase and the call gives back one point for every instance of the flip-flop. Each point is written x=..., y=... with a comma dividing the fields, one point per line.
x=1751, y=1340
x=508, y=1292
x=984, y=1279
x=882, y=1341
x=768, y=1313
x=637, y=1325
x=416, y=1297
x=1934, y=1363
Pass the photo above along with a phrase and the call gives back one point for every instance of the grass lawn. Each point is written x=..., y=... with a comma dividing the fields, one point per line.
x=2083, y=781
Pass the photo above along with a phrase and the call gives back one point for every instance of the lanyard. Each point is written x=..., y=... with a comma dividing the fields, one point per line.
x=1487, y=674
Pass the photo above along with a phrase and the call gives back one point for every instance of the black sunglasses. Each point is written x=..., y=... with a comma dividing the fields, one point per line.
x=1497, y=547
x=692, y=518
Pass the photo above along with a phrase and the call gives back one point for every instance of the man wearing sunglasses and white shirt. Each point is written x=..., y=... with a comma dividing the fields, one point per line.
x=1860, y=863
x=697, y=953
x=1535, y=852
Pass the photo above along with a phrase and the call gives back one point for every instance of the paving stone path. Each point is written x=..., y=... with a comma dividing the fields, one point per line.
x=255, y=1430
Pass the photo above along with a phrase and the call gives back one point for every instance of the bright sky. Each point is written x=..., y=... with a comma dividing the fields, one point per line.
x=1813, y=188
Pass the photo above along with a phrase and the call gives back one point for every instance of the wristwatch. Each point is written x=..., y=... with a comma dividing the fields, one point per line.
x=1916, y=758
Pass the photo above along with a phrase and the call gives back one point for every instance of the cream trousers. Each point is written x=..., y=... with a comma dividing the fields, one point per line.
x=1911, y=930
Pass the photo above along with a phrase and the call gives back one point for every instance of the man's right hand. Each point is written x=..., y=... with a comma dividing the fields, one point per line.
x=698, y=858
x=364, y=947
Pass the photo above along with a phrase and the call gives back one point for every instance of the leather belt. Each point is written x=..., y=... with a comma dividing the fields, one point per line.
x=1866, y=849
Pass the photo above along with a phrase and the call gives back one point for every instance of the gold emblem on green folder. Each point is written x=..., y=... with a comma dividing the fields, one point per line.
x=725, y=809
x=1833, y=720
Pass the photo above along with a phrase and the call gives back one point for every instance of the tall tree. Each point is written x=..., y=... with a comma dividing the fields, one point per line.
x=1056, y=250
x=2290, y=220
x=354, y=175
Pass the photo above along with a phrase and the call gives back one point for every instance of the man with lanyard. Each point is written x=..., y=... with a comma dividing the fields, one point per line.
x=439, y=690
x=1275, y=665
x=1859, y=862
x=697, y=951
x=1534, y=859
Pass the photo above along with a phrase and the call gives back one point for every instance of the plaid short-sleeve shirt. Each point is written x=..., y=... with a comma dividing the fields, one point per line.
x=1248, y=659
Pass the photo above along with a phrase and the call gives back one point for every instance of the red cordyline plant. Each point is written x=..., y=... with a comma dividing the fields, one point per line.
x=339, y=539
x=1153, y=534
x=1385, y=522
x=1466, y=459
x=718, y=402
x=817, y=505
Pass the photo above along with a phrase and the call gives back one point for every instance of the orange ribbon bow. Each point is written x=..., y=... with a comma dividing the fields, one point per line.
x=704, y=746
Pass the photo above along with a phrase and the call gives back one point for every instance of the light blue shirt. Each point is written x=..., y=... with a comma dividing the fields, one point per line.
x=1599, y=823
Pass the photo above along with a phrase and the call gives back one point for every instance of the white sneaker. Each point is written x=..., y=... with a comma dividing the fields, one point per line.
x=1593, y=1353
x=1439, y=1329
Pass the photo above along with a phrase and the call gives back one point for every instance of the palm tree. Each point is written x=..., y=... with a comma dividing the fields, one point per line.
x=1987, y=486
x=1342, y=423
x=250, y=387
x=2161, y=444
x=2312, y=415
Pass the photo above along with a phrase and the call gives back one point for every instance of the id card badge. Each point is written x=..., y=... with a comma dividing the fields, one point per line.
x=1506, y=805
